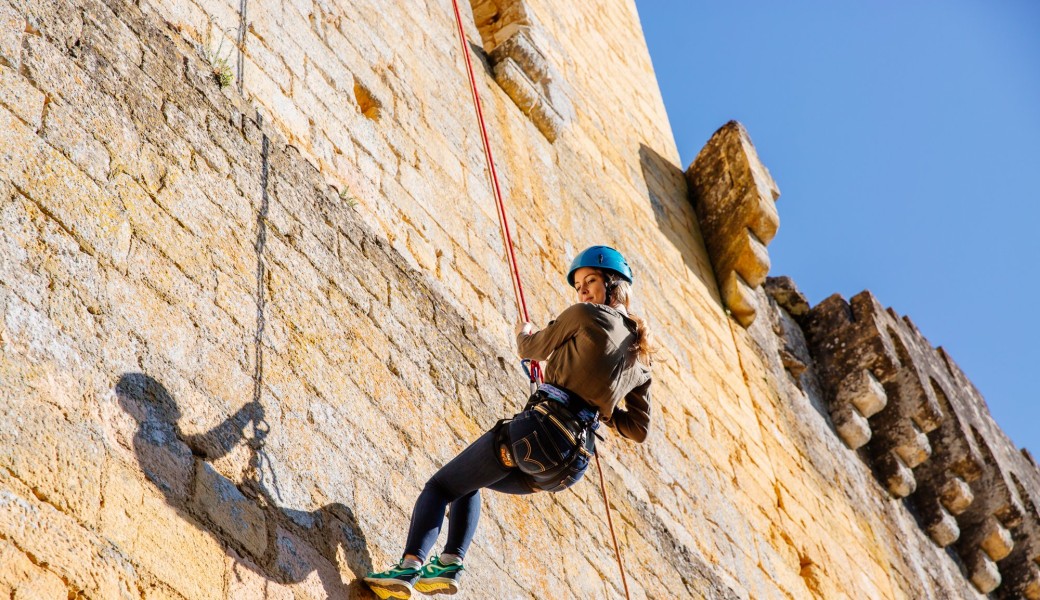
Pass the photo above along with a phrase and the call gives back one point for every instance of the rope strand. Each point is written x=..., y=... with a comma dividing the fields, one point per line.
x=610, y=524
x=518, y=288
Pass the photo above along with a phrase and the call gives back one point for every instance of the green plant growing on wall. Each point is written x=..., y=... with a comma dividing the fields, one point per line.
x=349, y=198
x=218, y=60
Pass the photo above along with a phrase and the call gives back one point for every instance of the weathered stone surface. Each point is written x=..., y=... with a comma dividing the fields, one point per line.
x=783, y=290
x=87, y=562
x=231, y=511
x=776, y=333
x=863, y=391
x=149, y=529
x=527, y=97
x=20, y=97
x=226, y=345
x=942, y=527
x=983, y=572
x=22, y=579
x=851, y=425
x=740, y=298
x=734, y=198
x=12, y=28
x=851, y=339
x=956, y=495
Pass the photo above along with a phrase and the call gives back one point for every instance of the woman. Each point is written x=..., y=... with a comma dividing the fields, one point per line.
x=598, y=354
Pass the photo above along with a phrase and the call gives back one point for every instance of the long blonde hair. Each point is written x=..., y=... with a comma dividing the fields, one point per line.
x=619, y=292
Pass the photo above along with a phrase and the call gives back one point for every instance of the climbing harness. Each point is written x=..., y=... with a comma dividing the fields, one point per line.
x=533, y=369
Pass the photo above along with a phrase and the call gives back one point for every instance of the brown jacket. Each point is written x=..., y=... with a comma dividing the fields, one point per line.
x=588, y=349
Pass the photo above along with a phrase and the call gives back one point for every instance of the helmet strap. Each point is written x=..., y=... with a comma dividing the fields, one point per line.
x=611, y=285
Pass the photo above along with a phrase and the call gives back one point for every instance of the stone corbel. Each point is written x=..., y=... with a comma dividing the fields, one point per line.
x=530, y=80
x=735, y=201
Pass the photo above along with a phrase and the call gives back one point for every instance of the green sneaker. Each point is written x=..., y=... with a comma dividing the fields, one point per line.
x=395, y=582
x=439, y=578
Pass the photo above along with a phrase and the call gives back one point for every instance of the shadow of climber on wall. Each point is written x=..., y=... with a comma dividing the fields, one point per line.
x=245, y=517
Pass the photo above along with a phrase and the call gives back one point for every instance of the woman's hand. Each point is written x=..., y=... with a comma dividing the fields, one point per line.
x=524, y=327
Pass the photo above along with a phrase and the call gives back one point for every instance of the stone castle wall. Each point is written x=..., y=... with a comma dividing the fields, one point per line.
x=243, y=324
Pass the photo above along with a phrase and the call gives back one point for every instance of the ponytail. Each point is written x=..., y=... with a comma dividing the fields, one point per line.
x=619, y=293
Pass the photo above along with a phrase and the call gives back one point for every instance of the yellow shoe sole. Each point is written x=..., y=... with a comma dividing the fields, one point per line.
x=437, y=585
x=386, y=589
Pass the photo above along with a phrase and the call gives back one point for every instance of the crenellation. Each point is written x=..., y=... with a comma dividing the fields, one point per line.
x=964, y=498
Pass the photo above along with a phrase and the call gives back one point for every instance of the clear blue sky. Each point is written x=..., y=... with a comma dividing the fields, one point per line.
x=905, y=138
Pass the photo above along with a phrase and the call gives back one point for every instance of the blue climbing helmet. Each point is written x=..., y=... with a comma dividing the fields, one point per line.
x=600, y=257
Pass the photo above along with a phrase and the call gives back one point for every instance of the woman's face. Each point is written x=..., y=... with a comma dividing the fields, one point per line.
x=590, y=285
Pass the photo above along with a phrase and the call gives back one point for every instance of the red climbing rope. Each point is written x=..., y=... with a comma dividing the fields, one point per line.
x=514, y=271
x=517, y=287
x=610, y=524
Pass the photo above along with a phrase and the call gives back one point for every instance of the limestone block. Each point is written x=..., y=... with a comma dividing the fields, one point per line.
x=863, y=391
x=113, y=39
x=524, y=71
x=59, y=76
x=750, y=257
x=155, y=531
x=983, y=573
x=22, y=224
x=898, y=478
x=12, y=28
x=527, y=97
x=302, y=565
x=246, y=582
x=20, y=579
x=62, y=129
x=20, y=97
x=995, y=540
x=740, y=298
x=944, y=530
x=87, y=562
x=58, y=457
x=196, y=136
x=732, y=187
x=911, y=444
x=734, y=198
x=786, y=294
x=956, y=495
x=500, y=20
x=852, y=426
x=164, y=327
x=521, y=49
x=91, y=215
